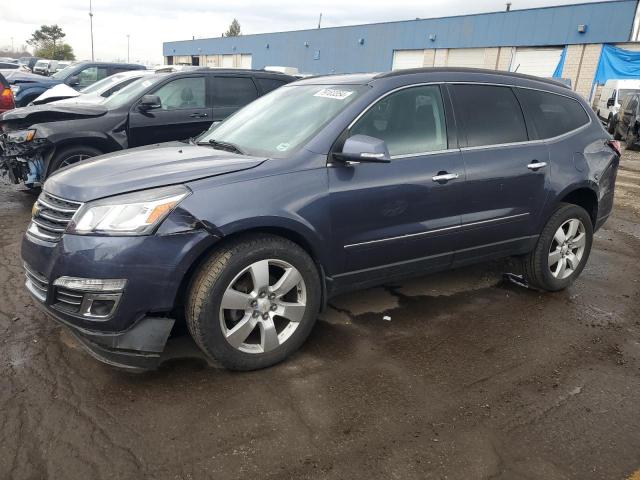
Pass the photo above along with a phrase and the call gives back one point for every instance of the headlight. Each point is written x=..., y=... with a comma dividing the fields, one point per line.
x=15, y=88
x=131, y=214
x=21, y=136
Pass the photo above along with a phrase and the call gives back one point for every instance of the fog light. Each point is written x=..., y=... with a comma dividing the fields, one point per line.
x=91, y=284
x=102, y=308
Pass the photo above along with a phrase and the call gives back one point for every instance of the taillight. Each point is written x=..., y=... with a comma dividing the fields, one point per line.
x=615, y=146
x=6, y=99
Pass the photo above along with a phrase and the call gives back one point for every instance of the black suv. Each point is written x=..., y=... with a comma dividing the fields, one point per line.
x=322, y=186
x=38, y=140
x=626, y=123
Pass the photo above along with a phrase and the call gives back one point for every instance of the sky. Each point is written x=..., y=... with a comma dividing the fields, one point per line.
x=150, y=22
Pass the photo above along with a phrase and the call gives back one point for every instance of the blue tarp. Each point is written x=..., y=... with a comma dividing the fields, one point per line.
x=557, y=73
x=616, y=63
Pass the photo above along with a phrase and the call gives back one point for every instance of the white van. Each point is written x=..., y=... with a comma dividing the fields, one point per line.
x=611, y=97
x=45, y=67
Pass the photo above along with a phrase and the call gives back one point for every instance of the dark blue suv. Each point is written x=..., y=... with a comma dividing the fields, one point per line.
x=324, y=185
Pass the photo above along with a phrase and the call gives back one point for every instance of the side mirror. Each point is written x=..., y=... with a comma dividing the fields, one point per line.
x=149, y=102
x=363, y=149
x=610, y=102
x=73, y=81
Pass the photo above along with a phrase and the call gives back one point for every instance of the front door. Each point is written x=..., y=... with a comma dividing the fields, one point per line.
x=506, y=174
x=184, y=113
x=398, y=217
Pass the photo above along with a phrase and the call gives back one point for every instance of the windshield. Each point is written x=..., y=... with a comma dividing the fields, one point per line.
x=61, y=74
x=279, y=123
x=103, y=84
x=131, y=92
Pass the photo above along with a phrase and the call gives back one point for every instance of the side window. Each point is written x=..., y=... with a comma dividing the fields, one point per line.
x=269, y=84
x=409, y=121
x=633, y=105
x=491, y=115
x=91, y=75
x=234, y=91
x=183, y=93
x=552, y=114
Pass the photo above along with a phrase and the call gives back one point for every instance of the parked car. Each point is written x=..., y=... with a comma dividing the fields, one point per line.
x=8, y=60
x=62, y=65
x=153, y=109
x=627, y=121
x=611, y=97
x=28, y=62
x=6, y=95
x=325, y=185
x=12, y=66
x=93, y=93
x=45, y=67
x=27, y=88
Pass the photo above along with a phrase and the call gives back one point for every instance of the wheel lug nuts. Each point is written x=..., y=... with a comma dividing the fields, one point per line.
x=274, y=307
x=272, y=296
x=265, y=316
x=263, y=294
x=254, y=303
x=256, y=314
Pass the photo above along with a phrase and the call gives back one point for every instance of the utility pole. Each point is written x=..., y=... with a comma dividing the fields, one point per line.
x=320, y=20
x=91, y=26
x=128, y=47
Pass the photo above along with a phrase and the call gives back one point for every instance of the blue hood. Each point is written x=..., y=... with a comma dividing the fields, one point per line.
x=142, y=168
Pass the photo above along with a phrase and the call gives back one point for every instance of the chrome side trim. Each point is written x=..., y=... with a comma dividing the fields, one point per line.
x=437, y=230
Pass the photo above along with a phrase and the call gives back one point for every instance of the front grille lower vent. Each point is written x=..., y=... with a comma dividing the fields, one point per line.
x=51, y=217
x=68, y=301
x=36, y=283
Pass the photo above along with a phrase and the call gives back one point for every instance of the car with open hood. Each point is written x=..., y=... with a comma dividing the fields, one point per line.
x=36, y=141
x=324, y=185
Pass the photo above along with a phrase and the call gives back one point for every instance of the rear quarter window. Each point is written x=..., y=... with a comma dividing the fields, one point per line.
x=269, y=84
x=551, y=114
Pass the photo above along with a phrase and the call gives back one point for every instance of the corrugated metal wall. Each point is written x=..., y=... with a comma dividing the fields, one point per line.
x=365, y=48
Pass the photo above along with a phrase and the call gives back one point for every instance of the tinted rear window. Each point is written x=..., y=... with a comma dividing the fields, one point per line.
x=490, y=115
x=552, y=114
x=268, y=84
x=234, y=91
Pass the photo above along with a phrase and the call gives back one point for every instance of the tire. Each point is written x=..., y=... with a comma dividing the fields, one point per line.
x=237, y=337
x=71, y=155
x=536, y=265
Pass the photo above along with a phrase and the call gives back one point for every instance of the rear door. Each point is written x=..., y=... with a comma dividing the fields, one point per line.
x=184, y=113
x=506, y=174
x=230, y=93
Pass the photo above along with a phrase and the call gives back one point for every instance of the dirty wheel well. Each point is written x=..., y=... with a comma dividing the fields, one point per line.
x=295, y=237
x=585, y=198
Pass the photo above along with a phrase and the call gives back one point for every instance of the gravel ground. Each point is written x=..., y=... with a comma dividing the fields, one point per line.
x=471, y=378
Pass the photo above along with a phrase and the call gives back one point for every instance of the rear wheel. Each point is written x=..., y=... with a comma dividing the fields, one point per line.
x=71, y=155
x=253, y=303
x=562, y=249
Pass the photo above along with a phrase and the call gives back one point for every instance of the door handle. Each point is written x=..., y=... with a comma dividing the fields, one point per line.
x=536, y=165
x=445, y=177
x=198, y=115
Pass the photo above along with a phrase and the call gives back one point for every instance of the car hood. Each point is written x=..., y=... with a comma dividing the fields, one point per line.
x=56, y=92
x=142, y=168
x=24, y=77
x=52, y=113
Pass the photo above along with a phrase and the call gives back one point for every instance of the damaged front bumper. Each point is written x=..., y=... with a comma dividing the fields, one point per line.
x=24, y=162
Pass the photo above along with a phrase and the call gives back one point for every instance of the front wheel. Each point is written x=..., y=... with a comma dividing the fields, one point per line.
x=254, y=302
x=71, y=155
x=562, y=249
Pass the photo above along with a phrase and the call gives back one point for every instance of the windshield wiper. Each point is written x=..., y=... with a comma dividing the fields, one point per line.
x=227, y=146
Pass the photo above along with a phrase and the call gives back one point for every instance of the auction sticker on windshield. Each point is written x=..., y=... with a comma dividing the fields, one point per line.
x=333, y=93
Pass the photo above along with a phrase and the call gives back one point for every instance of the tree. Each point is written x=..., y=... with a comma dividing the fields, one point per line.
x=62, y=51
x=234, y=29
x=46, y=42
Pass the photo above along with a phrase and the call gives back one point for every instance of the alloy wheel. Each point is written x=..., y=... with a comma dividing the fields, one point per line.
x=263, y=306
x=567, y=248
x=73, y=159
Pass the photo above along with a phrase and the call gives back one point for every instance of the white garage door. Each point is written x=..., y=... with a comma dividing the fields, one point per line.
x=466, y=57
x=407, y=59
x=227, y=61
x=541, y=62
x=245, y=61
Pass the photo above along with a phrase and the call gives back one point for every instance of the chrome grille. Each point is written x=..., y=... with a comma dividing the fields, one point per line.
x=36, y=283
x=51, y=216
x=68, y=300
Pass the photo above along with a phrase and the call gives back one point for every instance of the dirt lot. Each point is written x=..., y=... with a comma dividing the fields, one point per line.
x=472, y=378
